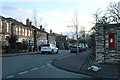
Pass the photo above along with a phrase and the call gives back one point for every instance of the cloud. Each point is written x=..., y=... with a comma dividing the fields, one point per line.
x=58, y=20
x=11, y=11
x=17, y=13
x=4, y=7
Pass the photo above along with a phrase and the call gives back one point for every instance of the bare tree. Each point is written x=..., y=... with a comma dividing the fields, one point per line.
x=96, y=15
x=75, y=26
x=37, y=20
x=111, y=15
x=113, y=11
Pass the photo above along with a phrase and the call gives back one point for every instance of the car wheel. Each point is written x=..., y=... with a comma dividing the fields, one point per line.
x=57, y=52
x=41, y=52
x=52, y=51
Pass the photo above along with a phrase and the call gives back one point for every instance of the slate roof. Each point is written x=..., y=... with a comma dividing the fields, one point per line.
x=38, y=29
x=16, y=22
x=21, y=24
x=2, y=17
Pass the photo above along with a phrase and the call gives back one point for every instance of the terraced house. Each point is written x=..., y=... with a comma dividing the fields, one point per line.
x=18, y=37
x=23, y=34
x=5, y=32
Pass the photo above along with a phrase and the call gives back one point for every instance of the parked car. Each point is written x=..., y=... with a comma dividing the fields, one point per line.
x=74, y=49
x=49, y=48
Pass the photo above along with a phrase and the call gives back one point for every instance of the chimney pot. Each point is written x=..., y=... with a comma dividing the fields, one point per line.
x=27, y=21
x=40, y=27
x=50, y=31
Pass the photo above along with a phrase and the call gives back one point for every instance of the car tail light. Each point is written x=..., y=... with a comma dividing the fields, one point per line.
x=49, y=47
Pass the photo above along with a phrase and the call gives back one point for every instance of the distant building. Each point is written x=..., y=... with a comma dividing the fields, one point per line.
x=108, y=43
x=62, y=42
x=40, y=36
x=52, y=38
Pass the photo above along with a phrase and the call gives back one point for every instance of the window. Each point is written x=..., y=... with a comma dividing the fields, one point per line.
x=0, y=25
x=20, y=33
x=7, y=27
x=29, y=33
x=25, y=32
x=16, y=31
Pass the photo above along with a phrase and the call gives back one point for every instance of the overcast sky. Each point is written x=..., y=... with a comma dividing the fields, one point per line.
x=57, y=14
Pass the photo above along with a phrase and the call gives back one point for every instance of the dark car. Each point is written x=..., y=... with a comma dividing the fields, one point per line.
x=74, y=49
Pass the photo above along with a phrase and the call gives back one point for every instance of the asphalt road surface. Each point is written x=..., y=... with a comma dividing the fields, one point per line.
x=36, y=66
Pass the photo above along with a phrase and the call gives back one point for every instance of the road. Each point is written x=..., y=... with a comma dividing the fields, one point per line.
x=36, y=66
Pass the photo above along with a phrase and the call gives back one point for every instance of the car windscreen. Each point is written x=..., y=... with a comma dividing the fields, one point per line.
x=45, y=45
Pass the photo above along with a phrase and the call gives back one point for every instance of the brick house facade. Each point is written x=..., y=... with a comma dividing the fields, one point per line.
x=5, y=32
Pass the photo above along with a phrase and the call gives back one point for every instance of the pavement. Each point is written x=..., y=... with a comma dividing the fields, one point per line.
x=78, y=63
x=17, y=54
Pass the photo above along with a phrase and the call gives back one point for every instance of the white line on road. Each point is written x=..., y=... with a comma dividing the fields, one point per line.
x=59, y=58
x=10, y=76
x=23, y=72
x=33, y=69
x=65, y=57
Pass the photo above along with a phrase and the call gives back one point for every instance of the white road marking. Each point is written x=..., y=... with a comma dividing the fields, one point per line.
x=23, y=72
x=65, y=57
x=59, y=58
x=10, y=76
x=33, y=69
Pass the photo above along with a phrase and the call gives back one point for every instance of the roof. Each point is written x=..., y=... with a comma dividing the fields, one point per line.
x=21, y=24
x=57, y=34
x=2, y=17
x=38, y=29
x=16, y=22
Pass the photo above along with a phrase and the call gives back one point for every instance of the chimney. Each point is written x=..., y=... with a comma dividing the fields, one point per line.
x=27, y=21
x=30, y=23
x=40, y=27
x=51, y=31
x=43, y=29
